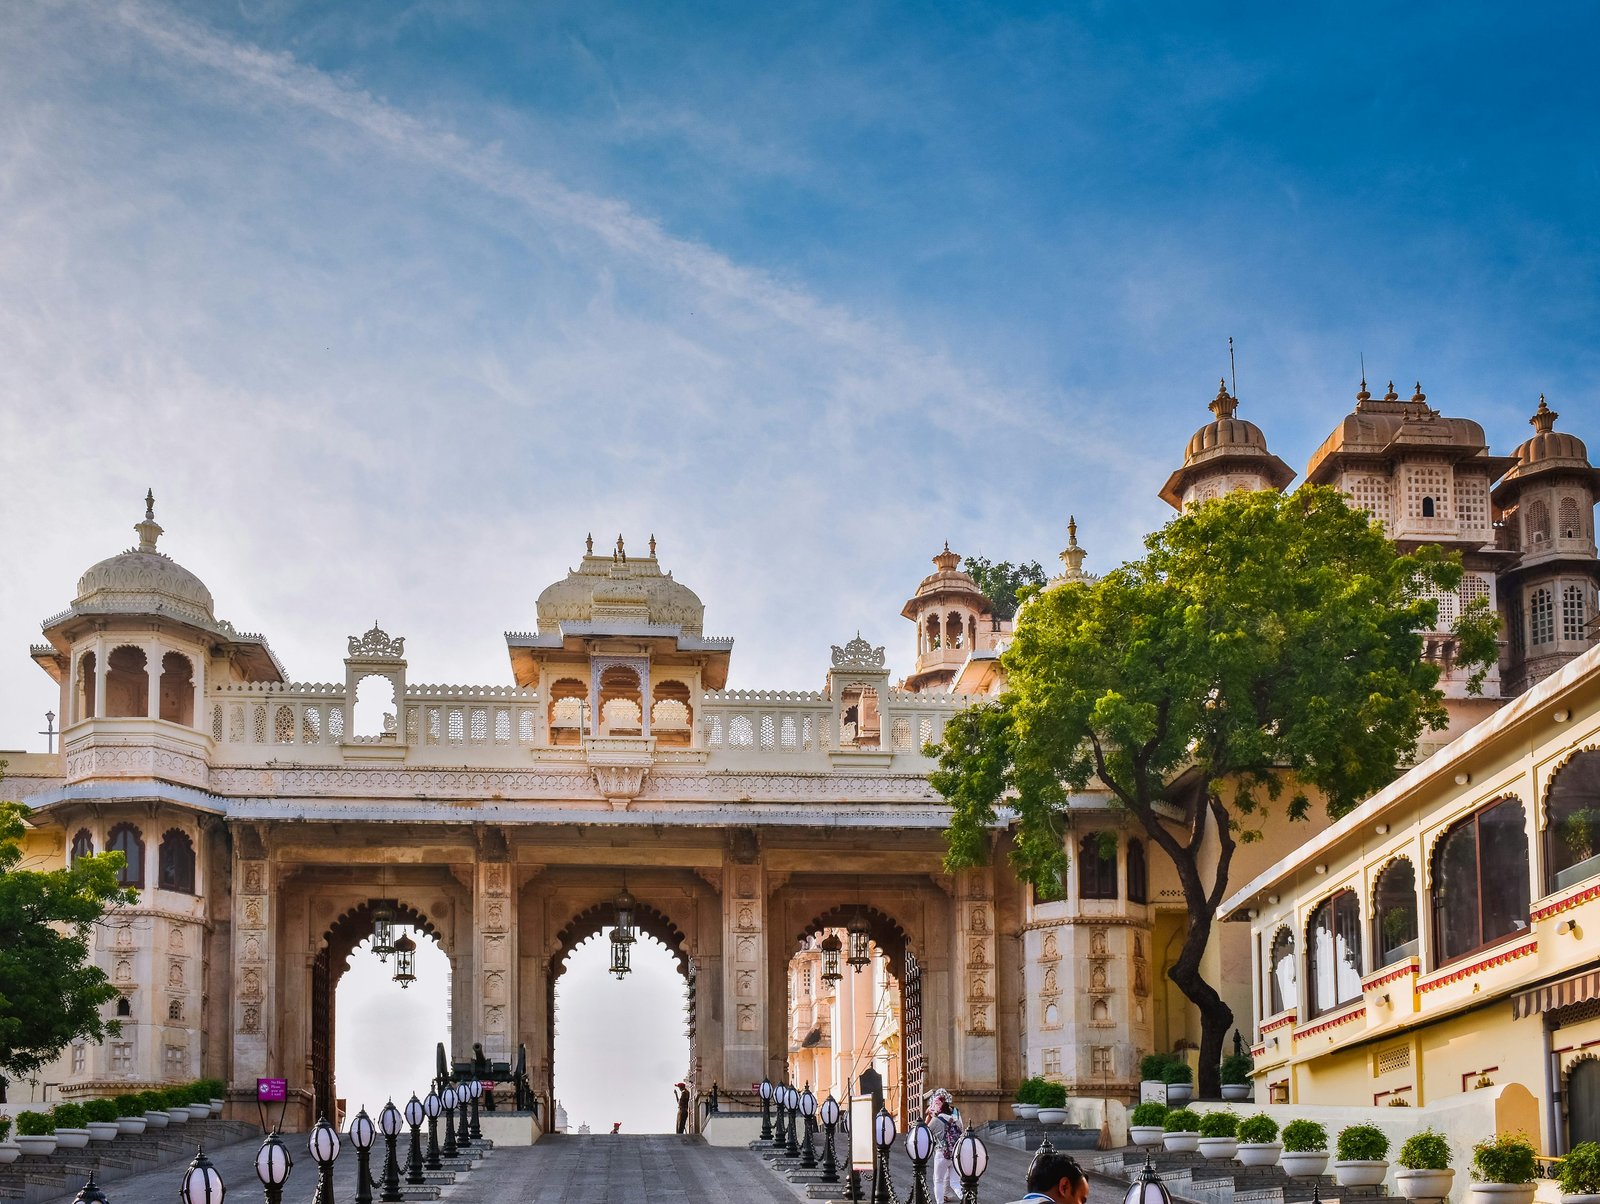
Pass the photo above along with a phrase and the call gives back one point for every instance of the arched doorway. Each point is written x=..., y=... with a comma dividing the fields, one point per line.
x=385, y=1038
x=616, y=1046
x=332, y=960
x=1583, y=1102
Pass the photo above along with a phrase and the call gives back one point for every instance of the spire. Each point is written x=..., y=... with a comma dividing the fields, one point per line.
x=1363, y=397
x=149, y=530
x=1072, y=556
x=652, y=545
x=1544, y=418
x=1391, y=395
x=1419, y=397
x=946, y=561
x=1224, y=403
x=621, y=553
x=588, y=544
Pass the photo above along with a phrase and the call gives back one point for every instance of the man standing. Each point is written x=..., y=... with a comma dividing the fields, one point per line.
x=682, y=1090
x=1055, y=1178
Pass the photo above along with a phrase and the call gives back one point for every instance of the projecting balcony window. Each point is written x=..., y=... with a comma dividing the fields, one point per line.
x=1480, y=881
x=1333, y=954
x=1572, y=823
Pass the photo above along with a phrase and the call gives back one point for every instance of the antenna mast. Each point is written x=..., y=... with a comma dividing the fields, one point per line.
x=1233, y=370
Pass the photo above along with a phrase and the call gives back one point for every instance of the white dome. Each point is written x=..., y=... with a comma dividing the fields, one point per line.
x=143, y=580
x=617, y=586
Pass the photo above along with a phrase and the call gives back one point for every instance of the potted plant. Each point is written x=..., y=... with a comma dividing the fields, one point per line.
x=1305, y=1148
x=1052, y=1104
x=1580, y=1174
x=1179, y=1078
x=1363, y=1153
x=1219, y=1135
x=130, y=1115
x=1258, y=1141
x=155, y=1109
x=36, y=1133
x=1503, y=1170
x=9, y=1150
x=1146, y=1123
x=1424, y=1172
x=1181, y=1131
x=177, y=1102
x=1027, y=1105
x=100, y=1118
x=72, y=1132
x=217, y=1094
x=1235, y=1073
x=1152, y=1080
x=198, y=1097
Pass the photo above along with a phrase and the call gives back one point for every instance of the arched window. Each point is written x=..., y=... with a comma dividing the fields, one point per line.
x=1542, y=617
x=933, y=632
x=86, y=674
x=1138, y=874
x=1480, y=880
x=1567, y=519
x=1574, y=612
x=1333, y=953
x=175, y=862
x=1097, y=866
x=1572, y=823
x=125, y=839
x=127, y=683
x=955, y=631
x=177, y=689
x=82, y=845
x=175, y=1010
x=1427, y=507
x=1394, y=907
x=1281, y=994
x=568, y=711
x=124, y=1008
x=1538, y=521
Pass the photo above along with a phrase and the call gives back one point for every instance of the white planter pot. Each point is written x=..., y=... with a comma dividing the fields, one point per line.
x=1236, y=1091
x=37, y=1147
x=1145, y=1135
x=1360, y=1172
x=199, y=1111
x=102, y=1130
x=1259, y=1153
x=1580, y=1198
x=1053, y=1116
x=1017, y=1111
x=1180, y=1143
x=1304, y=1164
x=1424, y=1185
x=1179, y=1093
x=131, y=1126
x=157, y=1119
x=71, y=1139
x=1501, y=1193
x=217, y=1105
x=178, y=1116
x=10, y=1151
x=1218, y=1149
x=1027, y=1111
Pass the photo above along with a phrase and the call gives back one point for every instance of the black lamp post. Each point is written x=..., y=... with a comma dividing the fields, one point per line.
x=202, y=1184
x=830, y=1118
x=792, y=1098
x=362, y=1134
x=389, y=1124
x=324, y=1145
x=447, y=1098
x=919, y=1144
x=780, y=1116
x=766, y=1109
x=463, y=1137
x=433, y=1105
x=808, y=1112
x=972, y=1159
x=414, y=1117
x=273, y=1165
x=1148, y=1188
x=883, y=1134
x=90, y=1193
x=475, y=1090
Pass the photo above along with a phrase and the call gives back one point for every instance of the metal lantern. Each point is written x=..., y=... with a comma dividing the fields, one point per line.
x=919, y=1145
x=383, y=931
x=201, y=1182
x=90, y=1193
x=415, y=1114
x=324, y=1145
x=273, y=1165
x=828, y=1113
x=972, y=1159
x=860, y=936
x=448, y=1098
x=362, y=1133
x=766, y=1109
x=808, y=1102
x=405, y=961
x=883, y=1134
x=883, y=1129
x=625, y=907
x=1148, y=1188
x=831, y=945
x=619, y=954
x=808, y=1110
x=432, y=1105
x=390, y=1124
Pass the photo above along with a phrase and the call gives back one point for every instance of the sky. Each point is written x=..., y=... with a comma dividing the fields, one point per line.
x=392, y=302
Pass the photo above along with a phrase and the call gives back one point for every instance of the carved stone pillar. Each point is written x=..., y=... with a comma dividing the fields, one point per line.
x=746, y=1004
x=973, y=979
x=495, y=951
x=255, y=954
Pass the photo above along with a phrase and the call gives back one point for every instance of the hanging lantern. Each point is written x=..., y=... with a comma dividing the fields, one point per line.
x=619, y=954
x=383, y=932
x=405, y=961
x=859, y=934
x=831, y=945
x=625, y=907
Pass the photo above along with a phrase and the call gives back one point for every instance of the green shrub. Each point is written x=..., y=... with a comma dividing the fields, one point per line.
x=1304, y=1137
x=1052, y=1095
x=1580, y=1170
x=1177, y=1073
x=1028, y=1090
x=1235, y=1069
x=68, y=1116
x=1149, y=1113
x=1362, y=1143
x=152, y=1101
x=100, y=1111
x=1259, y=1129
x=214, y=1089
x=1219, y=1124
x=128, y=1105
x=1504, y=1158
x=1425, y=1151
x=1182, y=1120
x=1154, y=1066
x=175, y=1097
x=5, y=1127
x=35, y=1124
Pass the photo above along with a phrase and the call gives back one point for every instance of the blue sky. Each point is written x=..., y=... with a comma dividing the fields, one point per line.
x=392, y=302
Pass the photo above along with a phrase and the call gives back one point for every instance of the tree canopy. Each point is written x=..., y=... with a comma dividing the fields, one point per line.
x=1264, y=647
x=51, y=993
x=1001, y=582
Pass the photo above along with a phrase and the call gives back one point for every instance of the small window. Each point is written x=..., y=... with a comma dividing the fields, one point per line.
x=124, y=1008
x=1097, y=866
x=1138, y=874
x=1395, y=912
x=1427, y=507
x=82, y=845
x=175, y=862
x=1281, y=995
x=126, y=839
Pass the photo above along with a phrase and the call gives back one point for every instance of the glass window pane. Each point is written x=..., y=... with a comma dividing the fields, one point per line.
x=1503, y=838
x=1455, y=891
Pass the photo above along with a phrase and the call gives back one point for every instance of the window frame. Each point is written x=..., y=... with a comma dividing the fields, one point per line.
x=1438, y=898
x=131, y=874
x=1105, y=867
x=1312, y=1003
x=178, y=839
x=1141, y=881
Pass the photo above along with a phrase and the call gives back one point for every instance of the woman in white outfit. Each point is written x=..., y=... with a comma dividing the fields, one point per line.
x=945, y=1125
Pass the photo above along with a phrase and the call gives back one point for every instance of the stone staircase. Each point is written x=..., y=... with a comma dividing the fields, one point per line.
x=32, y=1178
x=1193, y=1178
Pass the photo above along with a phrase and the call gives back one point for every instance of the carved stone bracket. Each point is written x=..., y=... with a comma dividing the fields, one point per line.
x=619, y=783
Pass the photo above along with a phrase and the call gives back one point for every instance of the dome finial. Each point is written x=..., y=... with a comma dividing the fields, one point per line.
x=946, y=561
x=1224, y=403
x=588, y=544
x=622, y=554
x=1391, y=395
x=1419, y=396
x=1544, y=418
x=1363, y=396
x=652, y=545
x=149, y=530
x=1072, y=556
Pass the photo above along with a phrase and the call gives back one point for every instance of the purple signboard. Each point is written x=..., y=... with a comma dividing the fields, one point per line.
x=272, y=1091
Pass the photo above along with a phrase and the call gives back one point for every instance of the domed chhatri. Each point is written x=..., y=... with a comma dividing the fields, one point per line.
x=1227, y=453
x=143, y=580
x=1548, y=447
x=617, y=587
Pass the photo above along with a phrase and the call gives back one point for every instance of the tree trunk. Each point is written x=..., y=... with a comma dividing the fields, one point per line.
x=1216, y=1017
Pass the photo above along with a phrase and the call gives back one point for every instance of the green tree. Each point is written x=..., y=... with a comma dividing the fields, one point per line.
x=50, y=992
x=1001, y=582
x=1264, y=646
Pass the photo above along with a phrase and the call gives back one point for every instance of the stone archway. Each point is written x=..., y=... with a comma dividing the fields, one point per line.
x=332, y=960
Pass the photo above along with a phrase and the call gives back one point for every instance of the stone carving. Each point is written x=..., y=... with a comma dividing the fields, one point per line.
x=494, y=950
x=175, y=974
x=124, y=936
x=746, y=984
x=1141, y=983
x=252, y=879
x=252, y=950
x=747, y=918
x=175, y=938
x=250, y=1020
x=1100, y=1012
x=494, y=986
x=858, y=654
x=494, y=1018
x=1052, y=950
x=252, y=913
x=980, y=920
x=376, y=644
x=980, y=1020
x=979, y=956
x=494, y=881
x=619, y=783
x=979, y=988
x=250, y=984
x=1050, y=987
x=1138, y=945
x=745, y=949
x=1097, y=976
x=747, y=1017
x=124, y=970
x=746, y=888
x=495, y=916
x=1052, y=1015
x=1097, y=941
